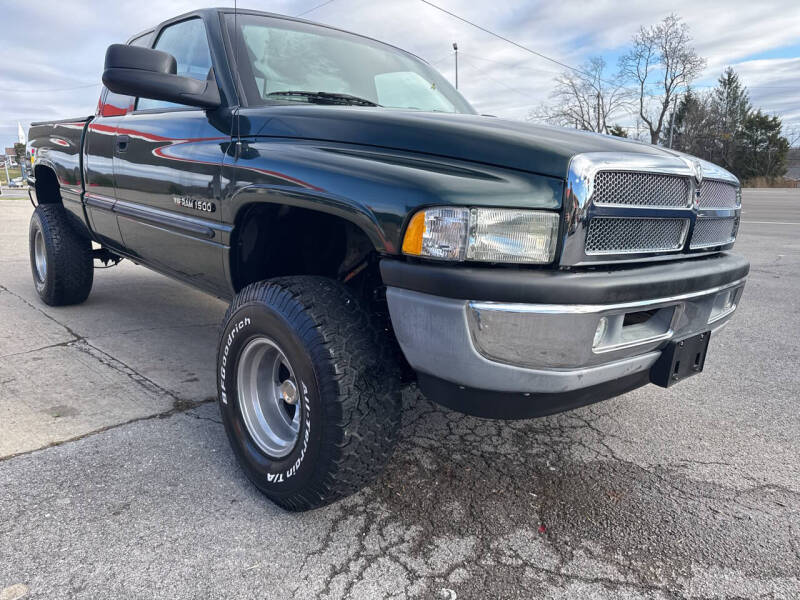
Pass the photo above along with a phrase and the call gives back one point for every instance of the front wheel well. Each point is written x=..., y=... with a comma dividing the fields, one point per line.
x=274, y=240
x=277, y=240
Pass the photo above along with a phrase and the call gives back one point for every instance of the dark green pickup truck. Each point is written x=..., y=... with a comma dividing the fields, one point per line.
x=369, y=228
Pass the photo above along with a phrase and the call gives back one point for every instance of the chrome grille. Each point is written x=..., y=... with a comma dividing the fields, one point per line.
x=714, y=232
x=631, y=206
x=631, y=235
x=718, y=194
x=631, y=188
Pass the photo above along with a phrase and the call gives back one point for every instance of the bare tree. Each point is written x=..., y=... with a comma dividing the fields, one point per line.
x=585, y=99
x=695, y=127
x=660, y=62
x=792, y=133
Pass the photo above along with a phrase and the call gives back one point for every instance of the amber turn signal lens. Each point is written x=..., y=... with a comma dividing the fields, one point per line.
x=412, y=242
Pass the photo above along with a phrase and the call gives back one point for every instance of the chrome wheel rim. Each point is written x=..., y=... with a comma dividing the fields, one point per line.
x=40, y=256
x=268, y=397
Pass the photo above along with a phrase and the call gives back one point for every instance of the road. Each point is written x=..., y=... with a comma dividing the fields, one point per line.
x=12, y=193
x=116, y=479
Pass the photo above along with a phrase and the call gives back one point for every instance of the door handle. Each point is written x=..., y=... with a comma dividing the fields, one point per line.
x=122, y=143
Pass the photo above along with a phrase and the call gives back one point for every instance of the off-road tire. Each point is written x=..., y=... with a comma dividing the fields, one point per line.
x=69, y=269
x=347, y=377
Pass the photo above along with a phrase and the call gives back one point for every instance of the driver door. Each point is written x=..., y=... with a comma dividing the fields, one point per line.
x=167, y=169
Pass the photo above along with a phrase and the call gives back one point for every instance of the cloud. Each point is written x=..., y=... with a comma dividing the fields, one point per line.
x=775, y=86
x=59, y=45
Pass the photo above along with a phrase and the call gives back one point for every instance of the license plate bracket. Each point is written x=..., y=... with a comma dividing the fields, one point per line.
x=680, y=359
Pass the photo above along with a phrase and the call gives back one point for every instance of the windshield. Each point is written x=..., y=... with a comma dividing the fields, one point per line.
x=282, y=61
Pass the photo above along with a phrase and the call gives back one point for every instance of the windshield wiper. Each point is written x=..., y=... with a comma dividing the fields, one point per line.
x=326, y=97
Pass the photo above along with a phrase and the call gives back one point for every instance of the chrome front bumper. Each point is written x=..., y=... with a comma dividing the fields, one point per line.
x=548, y=348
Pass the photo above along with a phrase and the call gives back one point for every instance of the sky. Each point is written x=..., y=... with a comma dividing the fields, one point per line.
x=53, y=49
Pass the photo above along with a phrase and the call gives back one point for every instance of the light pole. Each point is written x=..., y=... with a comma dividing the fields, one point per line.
x=455, y=48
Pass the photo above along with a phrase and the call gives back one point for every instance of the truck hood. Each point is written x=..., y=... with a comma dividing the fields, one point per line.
x=511, y=144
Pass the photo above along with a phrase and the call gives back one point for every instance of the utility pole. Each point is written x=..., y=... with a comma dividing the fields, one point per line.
x=5, y=164
x=672, y=120
x=455, y=48
x=599, y=130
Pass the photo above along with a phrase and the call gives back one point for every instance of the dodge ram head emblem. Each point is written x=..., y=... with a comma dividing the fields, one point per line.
x=697, y=168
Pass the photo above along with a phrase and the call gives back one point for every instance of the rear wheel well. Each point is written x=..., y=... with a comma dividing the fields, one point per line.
x=48, y=190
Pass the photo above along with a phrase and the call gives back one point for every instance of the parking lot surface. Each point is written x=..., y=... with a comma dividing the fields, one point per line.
x=116, y=480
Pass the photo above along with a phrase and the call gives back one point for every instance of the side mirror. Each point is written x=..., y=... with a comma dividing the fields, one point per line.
x=146, y=73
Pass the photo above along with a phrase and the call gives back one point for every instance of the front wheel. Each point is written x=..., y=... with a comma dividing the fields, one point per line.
x=308, y=390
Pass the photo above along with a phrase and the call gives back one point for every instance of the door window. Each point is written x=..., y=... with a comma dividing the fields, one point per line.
x=187, y=42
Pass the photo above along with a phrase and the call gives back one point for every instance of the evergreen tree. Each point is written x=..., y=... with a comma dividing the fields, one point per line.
x=721, y=127
x=761, y=150
x=730, y=106
x=618, y=131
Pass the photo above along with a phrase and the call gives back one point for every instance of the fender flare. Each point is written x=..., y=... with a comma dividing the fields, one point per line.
x=44, y=165
x=338, y=206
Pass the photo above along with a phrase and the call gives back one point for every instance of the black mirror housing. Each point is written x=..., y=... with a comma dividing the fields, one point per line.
x=147, y=73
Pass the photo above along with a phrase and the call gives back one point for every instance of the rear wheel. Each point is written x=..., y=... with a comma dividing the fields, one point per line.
x=308, y=390
x=61, y=258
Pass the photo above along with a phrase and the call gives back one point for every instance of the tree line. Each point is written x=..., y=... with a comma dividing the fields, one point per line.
x=653, y=81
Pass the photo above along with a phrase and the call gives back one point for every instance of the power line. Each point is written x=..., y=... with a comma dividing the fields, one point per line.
x=512, y=42
x=500, y=83
x=313, y=8
x=752, y=87
x=66, y=89
x=509, y=65
x=558, y=62
x=448, y=56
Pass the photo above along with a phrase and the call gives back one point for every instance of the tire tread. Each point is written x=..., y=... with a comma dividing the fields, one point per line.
x=70, y=264
x=359, y=382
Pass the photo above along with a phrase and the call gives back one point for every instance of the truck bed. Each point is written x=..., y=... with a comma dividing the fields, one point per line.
x=58, y=146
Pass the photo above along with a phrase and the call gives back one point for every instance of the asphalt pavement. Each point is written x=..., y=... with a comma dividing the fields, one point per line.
x=116, y=479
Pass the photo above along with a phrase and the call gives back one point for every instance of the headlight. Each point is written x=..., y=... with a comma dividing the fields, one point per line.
x=483, y=234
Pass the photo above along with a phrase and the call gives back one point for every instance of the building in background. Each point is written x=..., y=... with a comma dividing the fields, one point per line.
x=10, y=157
x=793, y=165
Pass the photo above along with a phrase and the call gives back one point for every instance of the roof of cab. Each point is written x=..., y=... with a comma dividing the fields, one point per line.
x=209, y=12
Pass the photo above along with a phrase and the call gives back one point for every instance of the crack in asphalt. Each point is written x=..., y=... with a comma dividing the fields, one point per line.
x=176, y=409
x=80, y=343
x=450, y=483
x=160, y=328
x=39, y=349
x=44, y=313
x=486, y=487
x=119, y=366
